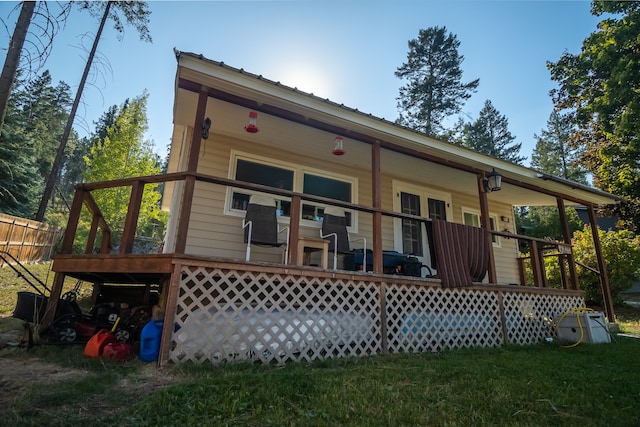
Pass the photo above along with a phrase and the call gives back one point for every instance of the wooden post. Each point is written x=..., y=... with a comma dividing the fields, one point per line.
x=169, y=314
x=566, y=234
x=376, y=195
x=91, y=239
x=382, y=306
x=131, y=220
x=294, y=229
x=190, y=180
x=535, y=263
x=602, y=266
x=72, y=223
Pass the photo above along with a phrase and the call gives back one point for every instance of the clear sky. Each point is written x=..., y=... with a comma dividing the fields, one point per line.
x=346, y=51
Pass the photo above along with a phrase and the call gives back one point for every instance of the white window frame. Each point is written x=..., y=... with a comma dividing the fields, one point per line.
x=298, y=182
x=496, y=241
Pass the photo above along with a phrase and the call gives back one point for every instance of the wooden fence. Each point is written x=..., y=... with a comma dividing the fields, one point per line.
x=27, y=240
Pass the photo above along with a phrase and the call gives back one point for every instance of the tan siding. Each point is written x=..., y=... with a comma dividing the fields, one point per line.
x=212, y=233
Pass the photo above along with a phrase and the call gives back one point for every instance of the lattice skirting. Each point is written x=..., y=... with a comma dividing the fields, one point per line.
x=225, y=315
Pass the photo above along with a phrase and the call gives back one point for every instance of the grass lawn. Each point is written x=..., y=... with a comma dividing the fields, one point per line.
x=538, y=385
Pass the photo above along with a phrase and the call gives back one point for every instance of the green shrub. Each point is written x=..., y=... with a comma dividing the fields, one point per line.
x=621, y=250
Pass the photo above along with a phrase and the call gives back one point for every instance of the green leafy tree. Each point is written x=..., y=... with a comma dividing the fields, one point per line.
x=621, y=249
x=123, y=153
x=434, y=89
x=490, y=134
x=544, y=222
x=600, y=88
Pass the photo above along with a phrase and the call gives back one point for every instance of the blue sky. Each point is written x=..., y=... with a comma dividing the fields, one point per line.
x=346, y=51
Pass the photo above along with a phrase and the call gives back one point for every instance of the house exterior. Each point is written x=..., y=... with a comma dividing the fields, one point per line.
x=238, y=135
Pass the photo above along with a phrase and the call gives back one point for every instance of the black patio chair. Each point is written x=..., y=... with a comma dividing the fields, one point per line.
x=261, y=225
x=334, y=229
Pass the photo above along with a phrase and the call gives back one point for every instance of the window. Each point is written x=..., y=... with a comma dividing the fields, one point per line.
x=281, y=175
x=259, y=173
x=472, y=218
x=411, y=228
x=324, y=187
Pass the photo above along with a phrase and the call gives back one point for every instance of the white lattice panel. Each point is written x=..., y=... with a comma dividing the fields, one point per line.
x=225, y=315
x=432, y=319
x=229, y=314
x=529, y=317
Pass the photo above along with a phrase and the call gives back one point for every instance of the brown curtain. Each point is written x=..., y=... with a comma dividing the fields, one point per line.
x=462, y=253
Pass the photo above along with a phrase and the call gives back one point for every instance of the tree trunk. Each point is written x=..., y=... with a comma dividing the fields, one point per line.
x=55, y=168
x=13, y=56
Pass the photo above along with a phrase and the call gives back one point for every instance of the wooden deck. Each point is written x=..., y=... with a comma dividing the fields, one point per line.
x=121, y=269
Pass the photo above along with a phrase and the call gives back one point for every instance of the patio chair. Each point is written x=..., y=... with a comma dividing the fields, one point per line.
x=260, y=225
x=334, y=229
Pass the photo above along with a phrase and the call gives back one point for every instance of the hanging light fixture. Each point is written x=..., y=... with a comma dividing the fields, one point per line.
x=206, y=125
x=251, y=127
x=493, y=181
x=339, y=149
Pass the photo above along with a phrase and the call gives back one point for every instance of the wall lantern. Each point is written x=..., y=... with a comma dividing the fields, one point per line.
x=339, y=149
x=492, y=182
x=206, y=124
x=251, y=127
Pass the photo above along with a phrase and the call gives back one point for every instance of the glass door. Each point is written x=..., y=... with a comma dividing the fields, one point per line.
x=410, y=235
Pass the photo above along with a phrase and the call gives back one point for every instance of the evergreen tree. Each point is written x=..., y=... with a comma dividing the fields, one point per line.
x=45, y=110
x=434, y=89
x=489, y=134
x=123, y=153
x=552, y=153
x=20, y=183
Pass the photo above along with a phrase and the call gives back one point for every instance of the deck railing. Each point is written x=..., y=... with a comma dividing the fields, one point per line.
x=84, y=198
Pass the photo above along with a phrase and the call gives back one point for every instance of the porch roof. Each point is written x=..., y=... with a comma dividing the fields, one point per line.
x=232, y=91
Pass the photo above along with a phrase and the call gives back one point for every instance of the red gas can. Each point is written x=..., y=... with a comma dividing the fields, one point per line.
x=120, y=351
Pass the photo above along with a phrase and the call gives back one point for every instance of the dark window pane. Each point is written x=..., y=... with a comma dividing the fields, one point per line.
x=411, y=229
x=437, y=209
x=327, y=187
x=258, y=173
x=240, y=201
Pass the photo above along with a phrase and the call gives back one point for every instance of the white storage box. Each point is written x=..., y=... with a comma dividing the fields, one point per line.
x=594, y=327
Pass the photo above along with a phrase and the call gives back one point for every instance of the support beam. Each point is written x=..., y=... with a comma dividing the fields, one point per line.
x=602, y=266
x=192, y=167
x=376, y=195
x=566, y=234
x=294, y=229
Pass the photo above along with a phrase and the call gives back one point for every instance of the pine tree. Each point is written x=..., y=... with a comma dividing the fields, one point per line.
x=434, y=88
x=20, y=183
x=553, y=154
x=489, y=134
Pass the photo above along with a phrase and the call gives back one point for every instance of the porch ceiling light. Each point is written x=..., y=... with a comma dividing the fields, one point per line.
x=339, y=149
x=251, y=127
x=493, y=181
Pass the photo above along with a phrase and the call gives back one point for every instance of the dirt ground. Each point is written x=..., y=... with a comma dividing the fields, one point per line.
x=24, y=370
